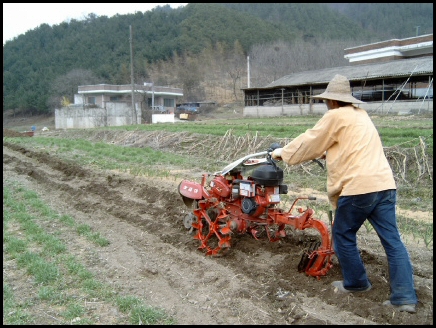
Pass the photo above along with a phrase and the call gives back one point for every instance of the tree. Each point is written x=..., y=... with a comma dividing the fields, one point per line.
x=268, y=62
x=236, y=65
x=66, y=86
x=190, y=75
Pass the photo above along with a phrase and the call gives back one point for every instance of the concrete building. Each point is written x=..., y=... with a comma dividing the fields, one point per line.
x=147, y=96
x=394, y=76
x=395, y=49
x=111, y=105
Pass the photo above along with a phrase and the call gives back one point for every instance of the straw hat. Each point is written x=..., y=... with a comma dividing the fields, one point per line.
x=339, y=89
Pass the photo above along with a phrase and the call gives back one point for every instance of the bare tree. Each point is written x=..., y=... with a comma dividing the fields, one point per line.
x=218, y=71
x=67, y=86
x=272, y=61
x=189, y=74
x=236, y=65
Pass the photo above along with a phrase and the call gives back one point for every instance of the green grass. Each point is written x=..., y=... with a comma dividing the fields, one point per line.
x=140, y=314
x=13, y=312
x=106, y=156
x=421, y=232
x=95, y=237
x=392, y=131
x=59, y=279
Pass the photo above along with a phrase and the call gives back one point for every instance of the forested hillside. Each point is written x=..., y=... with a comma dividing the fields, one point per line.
x=329, y=20
x=201, y=48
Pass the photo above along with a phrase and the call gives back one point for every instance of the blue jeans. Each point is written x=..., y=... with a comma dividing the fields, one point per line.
x=379, y=209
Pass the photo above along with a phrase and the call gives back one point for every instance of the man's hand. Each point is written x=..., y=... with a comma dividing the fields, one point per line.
x=277, y=154
x=323, y=156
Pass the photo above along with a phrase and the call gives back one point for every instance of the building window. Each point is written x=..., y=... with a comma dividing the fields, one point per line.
x=91, y=100
x=114, y=98
x=168, y=102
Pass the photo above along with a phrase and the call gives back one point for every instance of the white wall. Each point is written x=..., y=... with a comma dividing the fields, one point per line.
x=78, y=117
x=286, y=110
x=398, y=107
x=162, y=118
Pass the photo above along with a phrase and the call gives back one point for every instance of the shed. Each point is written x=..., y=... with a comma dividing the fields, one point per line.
x=395, y=85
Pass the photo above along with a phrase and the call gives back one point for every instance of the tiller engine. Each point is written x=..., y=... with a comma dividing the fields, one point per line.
x=244, y=198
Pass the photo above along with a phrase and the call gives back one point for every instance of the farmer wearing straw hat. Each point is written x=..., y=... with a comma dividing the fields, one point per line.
x=360, y=186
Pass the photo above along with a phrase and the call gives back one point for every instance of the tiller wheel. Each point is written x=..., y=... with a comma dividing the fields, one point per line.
x=211, y=232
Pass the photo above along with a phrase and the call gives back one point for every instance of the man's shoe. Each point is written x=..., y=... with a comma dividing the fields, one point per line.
x=340, y=286
x=411, y=308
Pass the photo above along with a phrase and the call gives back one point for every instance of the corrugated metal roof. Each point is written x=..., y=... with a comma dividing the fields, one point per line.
x=395, y=68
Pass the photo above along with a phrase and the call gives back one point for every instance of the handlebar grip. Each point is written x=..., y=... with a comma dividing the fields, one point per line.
x=319, y=163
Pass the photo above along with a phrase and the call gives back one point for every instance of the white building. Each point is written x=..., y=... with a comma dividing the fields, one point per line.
x=111, y=105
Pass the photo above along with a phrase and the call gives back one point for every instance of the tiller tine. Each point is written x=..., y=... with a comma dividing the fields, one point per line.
x=271, y=238
x=224, y=244
x=197, y=235
x=281, y=233
x=316, y=261
x=212, y=252
x=225, y=230
x=254, y=233
x=308, y=257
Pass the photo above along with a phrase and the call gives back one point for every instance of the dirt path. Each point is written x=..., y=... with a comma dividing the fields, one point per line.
x=152, y=256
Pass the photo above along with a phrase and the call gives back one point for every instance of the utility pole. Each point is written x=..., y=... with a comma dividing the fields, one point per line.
x=131, y=77
x=417, y=30
x=248, y=71
x=152, y=95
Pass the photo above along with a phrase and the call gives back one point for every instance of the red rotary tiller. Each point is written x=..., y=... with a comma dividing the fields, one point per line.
x=244, y=198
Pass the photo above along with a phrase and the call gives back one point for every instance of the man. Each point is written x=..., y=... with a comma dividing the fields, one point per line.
x=360, y=186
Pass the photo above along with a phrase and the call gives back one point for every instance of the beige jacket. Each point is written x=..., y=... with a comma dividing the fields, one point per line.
x=355, y=160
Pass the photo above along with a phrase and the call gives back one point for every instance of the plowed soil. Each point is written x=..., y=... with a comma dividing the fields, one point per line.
x=151, y=255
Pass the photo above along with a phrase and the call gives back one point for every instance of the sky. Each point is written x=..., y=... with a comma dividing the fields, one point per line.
x=18, y=18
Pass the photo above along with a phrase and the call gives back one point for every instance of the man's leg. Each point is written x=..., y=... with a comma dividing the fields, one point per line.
x=348, y=219
x=384, y=221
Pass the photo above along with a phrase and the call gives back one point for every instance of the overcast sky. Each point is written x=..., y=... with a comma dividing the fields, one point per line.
x=18, y=18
